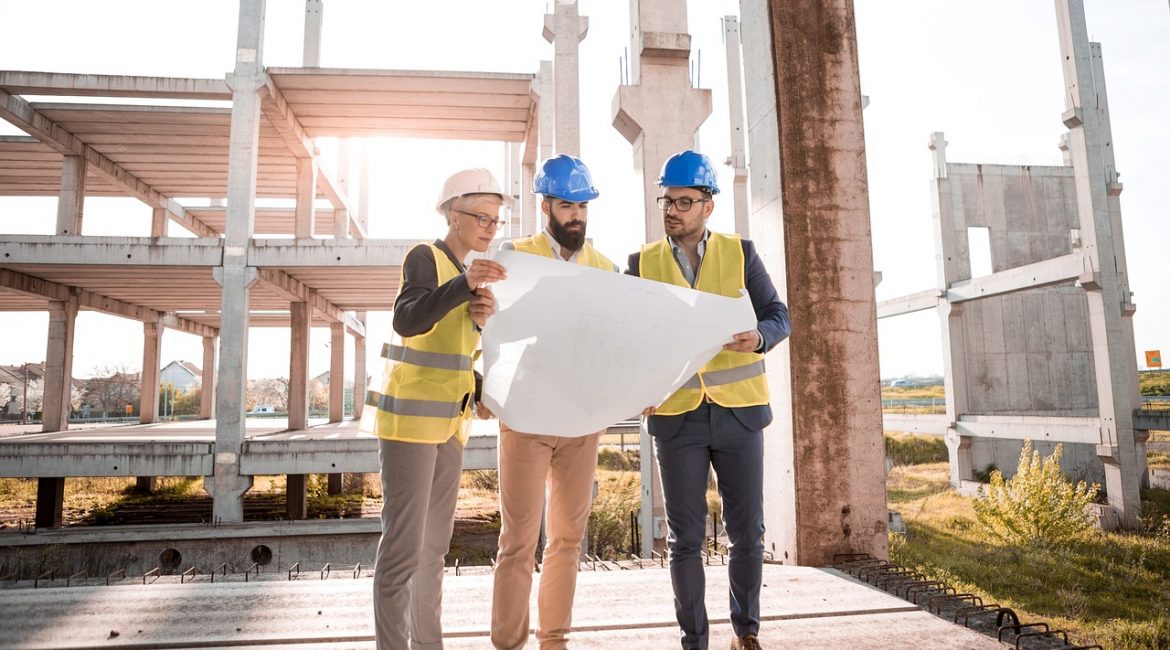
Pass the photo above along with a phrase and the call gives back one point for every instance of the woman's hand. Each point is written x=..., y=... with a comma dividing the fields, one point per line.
x=482, y=272
x=482, y=306
x=483, y=412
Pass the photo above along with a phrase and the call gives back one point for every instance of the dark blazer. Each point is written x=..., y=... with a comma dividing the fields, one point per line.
x=772, y=322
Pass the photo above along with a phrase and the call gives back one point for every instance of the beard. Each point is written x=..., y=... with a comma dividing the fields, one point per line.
x=570, y=239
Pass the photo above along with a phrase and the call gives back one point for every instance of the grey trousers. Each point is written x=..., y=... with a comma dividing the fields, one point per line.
x=420, y=484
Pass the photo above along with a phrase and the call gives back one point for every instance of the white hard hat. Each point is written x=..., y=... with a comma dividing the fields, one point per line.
x=471, y=181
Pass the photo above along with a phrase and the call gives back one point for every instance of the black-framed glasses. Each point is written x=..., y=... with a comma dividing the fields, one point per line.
x=683, y=203
x=485, y=221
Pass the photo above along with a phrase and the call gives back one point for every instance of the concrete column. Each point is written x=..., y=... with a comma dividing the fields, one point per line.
x=364, y=186
x=298, y=373
x=659, y=113
x=738, y=159
x=59, y=364
x=207, y=382
x=1116, y=390
x=71, y=201
x=336, y=372
x=296, y=497
x=565, y=30
x=546, y=126
x=528, y=209
x=227, y=485
x=652, y=514
x=158, y=222
x=951, y=243
x=516, y=185
x=314, y=18
x=336, y=484
x=145, y=484
x=151, y=362
x=359, y=369
x=828, y=262
x=306, y=197
x=50, y=502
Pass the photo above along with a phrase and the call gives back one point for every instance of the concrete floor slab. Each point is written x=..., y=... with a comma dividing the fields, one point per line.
x=627, y=609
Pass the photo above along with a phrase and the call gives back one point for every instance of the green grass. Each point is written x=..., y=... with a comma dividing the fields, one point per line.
x=1108, y=588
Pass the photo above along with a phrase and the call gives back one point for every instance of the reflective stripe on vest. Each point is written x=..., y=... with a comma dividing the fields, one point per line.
x=729, y=376
x=428, y=359
x=731, y=379
x=588, y=255
x=417, y=407
x=425, y=396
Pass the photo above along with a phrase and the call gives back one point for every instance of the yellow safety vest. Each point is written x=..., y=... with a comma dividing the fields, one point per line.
x=429, y=383
x=588, y=255
x=731, y=379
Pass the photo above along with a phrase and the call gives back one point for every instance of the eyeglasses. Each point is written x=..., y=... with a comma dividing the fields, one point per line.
x=484, y=220
x=683, y=203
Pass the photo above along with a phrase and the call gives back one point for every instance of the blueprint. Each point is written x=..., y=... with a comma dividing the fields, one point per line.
x=572, y=349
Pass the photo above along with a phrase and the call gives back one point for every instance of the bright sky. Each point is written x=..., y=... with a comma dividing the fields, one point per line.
x=986, y=73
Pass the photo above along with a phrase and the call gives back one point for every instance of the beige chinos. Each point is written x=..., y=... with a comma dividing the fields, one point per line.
x=420, y=485
x=528, y=463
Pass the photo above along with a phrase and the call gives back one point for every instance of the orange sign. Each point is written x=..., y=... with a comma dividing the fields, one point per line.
x=129, y=409
x=1153, y=358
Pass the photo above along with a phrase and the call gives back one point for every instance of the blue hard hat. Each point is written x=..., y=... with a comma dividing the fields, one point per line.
x=689, y=169
x=565, y=177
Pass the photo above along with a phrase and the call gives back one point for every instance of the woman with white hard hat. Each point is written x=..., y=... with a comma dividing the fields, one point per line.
x=422, y=415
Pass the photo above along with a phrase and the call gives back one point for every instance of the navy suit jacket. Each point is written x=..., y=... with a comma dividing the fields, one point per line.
x=772, y=322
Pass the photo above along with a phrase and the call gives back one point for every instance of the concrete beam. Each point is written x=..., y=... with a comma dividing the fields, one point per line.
x=909, y=304
x=1149, y=420
x=25, y=460
x=52, y=291
x=22, y=115
x=1058, y=270
x=921, y=424
x=1021, y=427
x=102, y=85
x=357, y=455
x=115, y=251
x=294, y=290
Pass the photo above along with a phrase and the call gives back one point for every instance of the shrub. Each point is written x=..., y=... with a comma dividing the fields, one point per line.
x=487, y=480
x=916, y=450
x=1038, y=506
x=613, y=459
x=609, y=521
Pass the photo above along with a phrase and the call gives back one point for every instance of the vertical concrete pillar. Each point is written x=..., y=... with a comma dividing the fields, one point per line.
x=304, y=215
x=227, y=485
x=1106, y=288
x=336, y=372
x=298, y=373
x=145, y=484
x=314, y=18
x=207, y=382
x=659, y=112
x=359, y=369
x=951, y=243
x=546, y=131
x=336, y=484
x=50, y=501
x=565, y=29
x=158, y=222
x=296, y=497
x=364, y=186
x=836, y=401
x=652, y=514
x=738, y=159
x=515, y=185
x=71, y=201
x=59, y=364
x=151, y=367
x=528, y=209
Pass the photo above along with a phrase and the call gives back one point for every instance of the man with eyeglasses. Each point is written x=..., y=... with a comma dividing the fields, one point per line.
x=717, y=418
x=530, y=461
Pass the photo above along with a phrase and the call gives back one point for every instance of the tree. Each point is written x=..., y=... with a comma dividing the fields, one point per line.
x=318, y=396
x=36, y=396
x=112, y=388
x=188, y=403
x=268, y=392
x=5, y=396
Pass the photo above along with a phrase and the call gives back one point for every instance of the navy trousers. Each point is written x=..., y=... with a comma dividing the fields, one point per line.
x=711, y=436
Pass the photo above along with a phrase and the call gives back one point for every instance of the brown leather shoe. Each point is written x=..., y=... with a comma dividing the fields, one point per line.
x=746, y=642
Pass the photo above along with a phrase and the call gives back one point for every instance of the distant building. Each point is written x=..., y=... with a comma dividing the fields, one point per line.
x=183, y=375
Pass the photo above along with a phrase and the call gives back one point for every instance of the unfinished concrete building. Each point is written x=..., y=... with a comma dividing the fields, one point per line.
x=1041, y=348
